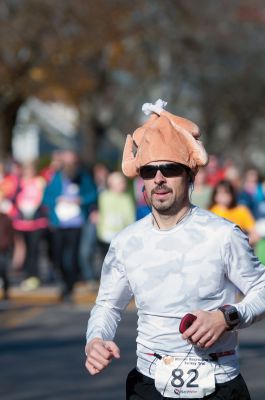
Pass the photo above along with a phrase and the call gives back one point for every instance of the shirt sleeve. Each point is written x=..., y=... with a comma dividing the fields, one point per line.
x=248, y=274
x=114, y=295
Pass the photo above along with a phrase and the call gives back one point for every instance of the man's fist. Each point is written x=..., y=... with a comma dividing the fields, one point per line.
x=99, y=354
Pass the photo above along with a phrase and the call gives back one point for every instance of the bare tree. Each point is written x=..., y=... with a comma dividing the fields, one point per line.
x=107, y=57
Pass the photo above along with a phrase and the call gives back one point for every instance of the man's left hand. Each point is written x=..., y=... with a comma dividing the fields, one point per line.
x=206, y=329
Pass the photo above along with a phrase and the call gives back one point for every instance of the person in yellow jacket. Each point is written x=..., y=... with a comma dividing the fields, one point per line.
x=224, y=204
x=116, y=210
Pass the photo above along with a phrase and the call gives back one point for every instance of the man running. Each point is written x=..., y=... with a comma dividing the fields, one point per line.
x=178, y=260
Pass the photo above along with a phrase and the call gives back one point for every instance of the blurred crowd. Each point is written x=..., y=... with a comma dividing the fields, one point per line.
x=68, y=214
x=235, y=194
x=67, y=210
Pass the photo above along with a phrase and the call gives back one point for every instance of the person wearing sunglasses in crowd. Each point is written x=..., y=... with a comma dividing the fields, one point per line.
x=179, y=260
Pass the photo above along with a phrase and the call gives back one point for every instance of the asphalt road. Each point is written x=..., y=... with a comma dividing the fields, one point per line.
x=42, y=355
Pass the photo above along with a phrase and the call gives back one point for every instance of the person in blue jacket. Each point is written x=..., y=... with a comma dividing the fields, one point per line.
x=69, y=198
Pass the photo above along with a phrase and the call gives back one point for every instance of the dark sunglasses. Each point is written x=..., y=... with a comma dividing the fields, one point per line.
x=167, y=170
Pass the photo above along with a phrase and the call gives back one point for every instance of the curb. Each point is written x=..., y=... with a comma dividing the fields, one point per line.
x=51, y=295
x=48, y=295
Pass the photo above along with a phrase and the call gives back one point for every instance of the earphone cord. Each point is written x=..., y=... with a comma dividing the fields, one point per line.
x=159, y=357
x=151, y=364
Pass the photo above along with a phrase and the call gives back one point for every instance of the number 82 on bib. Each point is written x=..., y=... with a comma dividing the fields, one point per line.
x=184, y=377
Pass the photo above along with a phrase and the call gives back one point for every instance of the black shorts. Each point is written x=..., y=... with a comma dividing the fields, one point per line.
x=140, y=387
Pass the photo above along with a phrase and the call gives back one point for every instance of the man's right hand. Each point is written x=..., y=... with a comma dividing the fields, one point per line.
x=99, y=354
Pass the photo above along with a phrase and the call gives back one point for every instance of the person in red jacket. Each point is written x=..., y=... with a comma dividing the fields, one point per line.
x=30, y=221
x=6, y=245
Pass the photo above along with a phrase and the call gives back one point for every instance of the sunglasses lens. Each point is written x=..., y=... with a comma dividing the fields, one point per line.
x=148, y=171
x=171, y=170
x=167, y=170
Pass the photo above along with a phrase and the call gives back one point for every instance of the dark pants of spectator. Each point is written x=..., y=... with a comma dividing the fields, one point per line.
x=65, y=255
x=103, y=249
x=87, y=251
x=5, y=258
x=140, y=387
x=31, y=262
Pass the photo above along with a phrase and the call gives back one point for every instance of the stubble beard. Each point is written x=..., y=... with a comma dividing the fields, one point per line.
x=170, y=206
x=163, y=207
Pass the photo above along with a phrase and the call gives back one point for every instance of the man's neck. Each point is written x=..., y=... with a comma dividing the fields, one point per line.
x=167, y=221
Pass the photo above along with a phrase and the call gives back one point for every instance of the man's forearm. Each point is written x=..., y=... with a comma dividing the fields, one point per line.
x=252, y=307
x=102, y=323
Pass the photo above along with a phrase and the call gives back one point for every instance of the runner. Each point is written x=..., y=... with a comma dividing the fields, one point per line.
x=180, y=259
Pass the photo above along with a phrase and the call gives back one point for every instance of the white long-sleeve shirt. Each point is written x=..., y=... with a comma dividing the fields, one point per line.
x=198, y=264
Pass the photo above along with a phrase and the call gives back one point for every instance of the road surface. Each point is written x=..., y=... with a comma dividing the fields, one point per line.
x=42, y=355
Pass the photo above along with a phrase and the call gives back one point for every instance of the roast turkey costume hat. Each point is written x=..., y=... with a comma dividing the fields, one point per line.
x=163, y=137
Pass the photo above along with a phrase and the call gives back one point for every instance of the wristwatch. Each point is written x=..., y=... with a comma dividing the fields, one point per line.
x=231, y=316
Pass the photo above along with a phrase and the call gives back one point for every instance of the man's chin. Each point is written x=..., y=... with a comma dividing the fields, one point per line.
x=162, y=206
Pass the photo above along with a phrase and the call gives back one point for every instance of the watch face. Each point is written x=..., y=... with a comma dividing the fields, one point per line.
x=233, y=316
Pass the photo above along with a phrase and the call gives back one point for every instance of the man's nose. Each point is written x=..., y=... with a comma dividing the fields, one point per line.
x=159, y=178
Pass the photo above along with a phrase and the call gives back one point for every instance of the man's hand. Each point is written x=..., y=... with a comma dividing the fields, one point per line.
x=99, y=354
x=94, y=217
x=206, y=329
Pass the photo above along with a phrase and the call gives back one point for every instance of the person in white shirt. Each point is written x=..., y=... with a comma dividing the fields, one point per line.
x=178, y=260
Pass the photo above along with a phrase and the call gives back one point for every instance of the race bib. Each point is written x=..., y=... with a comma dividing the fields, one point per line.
x=184, y=377
x=66, y=210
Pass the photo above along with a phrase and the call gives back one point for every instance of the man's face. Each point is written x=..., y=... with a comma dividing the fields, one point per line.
x=69, y=164
x=223, y=197
x=167, y=194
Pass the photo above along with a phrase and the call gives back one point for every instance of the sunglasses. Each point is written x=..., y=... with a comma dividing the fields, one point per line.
x=167, y=170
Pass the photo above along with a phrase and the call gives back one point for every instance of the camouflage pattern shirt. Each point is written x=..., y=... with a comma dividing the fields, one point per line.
x=201, y=263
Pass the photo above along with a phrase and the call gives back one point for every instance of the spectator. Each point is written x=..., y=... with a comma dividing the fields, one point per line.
x=116, y=210
x=253, y=187
x=10, y=176
x=88, y=244
x=9, y=185
x=201, y=192
x=54, y=166
x=30, y=221
x=214, y=172
x=47, y=173
x=68, y=198
x=100, y=173
x=142, y=209
x=6, y=245
x=224, y=204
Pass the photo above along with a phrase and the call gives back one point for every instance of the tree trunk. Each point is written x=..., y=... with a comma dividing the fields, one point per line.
x=88, y=135
x=8, y=116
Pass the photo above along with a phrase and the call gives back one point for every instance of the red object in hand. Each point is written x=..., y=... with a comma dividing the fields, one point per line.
x=186, y=322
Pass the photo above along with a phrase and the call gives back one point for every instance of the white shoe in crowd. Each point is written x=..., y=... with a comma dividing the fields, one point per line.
x=29, y=284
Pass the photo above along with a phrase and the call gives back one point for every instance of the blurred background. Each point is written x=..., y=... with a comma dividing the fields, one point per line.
x=73, y=77
x=77, y=72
